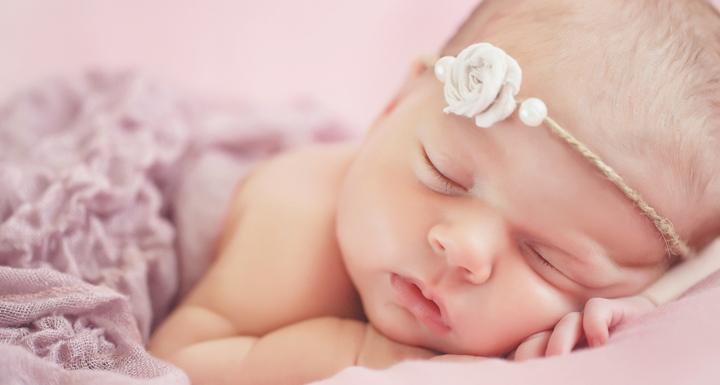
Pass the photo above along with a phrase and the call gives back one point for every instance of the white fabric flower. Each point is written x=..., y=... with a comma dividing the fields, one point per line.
x=481, y=82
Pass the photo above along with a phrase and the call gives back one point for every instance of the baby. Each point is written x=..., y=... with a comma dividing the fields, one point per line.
x=435, y=235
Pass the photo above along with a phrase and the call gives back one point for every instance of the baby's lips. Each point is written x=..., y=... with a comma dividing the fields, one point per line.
x=420, y=303
x=429, y=293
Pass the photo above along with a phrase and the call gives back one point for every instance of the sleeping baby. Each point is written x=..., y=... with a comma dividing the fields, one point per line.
x=524, y=192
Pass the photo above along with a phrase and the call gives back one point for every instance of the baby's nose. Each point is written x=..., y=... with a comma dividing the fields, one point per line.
x=468, y=246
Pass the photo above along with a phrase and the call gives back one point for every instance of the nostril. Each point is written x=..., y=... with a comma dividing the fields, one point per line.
x=469, y=255
x=476, y=277
x=435, y=236
x=468, y=274
x=436, y=245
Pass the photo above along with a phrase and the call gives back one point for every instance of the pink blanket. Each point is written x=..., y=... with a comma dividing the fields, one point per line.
x=112, y=190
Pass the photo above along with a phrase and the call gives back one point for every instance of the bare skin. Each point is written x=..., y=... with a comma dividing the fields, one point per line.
x=278, y=278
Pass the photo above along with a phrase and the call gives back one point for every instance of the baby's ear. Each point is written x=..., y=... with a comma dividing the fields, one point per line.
x=417, y=67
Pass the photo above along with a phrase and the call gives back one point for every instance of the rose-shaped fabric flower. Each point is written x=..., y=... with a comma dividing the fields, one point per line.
x=481, y=82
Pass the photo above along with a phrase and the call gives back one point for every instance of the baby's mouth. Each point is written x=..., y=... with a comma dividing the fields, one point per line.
x=423, y=308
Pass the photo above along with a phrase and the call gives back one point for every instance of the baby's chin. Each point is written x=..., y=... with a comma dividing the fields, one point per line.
x=406, y=330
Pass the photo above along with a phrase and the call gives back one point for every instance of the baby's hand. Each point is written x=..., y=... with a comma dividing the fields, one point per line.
x=594, y=323
x=380, y=352
x=600, y=315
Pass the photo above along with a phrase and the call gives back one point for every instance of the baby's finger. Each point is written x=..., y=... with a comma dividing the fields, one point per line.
x=533, y=346
x=600, y=315
x=568, y=332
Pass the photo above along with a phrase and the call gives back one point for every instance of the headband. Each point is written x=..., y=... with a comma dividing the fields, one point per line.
x=482, y=82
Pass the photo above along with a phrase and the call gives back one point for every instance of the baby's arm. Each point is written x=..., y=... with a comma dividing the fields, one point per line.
x=296, y=354
x=600, y=315
x=300, y=353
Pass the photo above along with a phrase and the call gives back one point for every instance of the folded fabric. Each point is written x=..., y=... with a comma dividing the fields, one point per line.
x=112, y=192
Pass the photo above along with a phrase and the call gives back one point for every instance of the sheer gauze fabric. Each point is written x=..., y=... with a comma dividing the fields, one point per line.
x=112, y=191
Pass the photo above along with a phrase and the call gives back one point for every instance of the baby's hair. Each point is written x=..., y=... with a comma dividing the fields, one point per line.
x=654, y=63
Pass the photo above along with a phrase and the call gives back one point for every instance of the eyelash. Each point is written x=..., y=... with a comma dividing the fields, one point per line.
x=448, y=183
x=542, y=260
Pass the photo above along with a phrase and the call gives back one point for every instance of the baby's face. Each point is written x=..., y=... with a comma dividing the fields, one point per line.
x=468, y=240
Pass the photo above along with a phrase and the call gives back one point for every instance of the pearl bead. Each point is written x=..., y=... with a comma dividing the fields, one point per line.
x=532, y=112
x=442, y=66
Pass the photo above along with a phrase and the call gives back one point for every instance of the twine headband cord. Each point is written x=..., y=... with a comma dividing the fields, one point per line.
x=482, y=83
x=673, y=243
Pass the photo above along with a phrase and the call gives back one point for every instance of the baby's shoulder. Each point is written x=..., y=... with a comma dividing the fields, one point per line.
x=278, y=245
x=306, y=175
x=296, y=188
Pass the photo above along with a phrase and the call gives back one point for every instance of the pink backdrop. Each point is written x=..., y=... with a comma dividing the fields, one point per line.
x=349, y=55
x=346, y=54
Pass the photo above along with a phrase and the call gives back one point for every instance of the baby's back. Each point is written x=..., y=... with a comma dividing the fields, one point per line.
x=278, y=261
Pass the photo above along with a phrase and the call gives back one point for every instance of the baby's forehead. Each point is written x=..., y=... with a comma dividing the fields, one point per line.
x=635, y=81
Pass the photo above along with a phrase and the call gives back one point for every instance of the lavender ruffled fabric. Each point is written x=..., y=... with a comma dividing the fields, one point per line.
x=112, y=191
